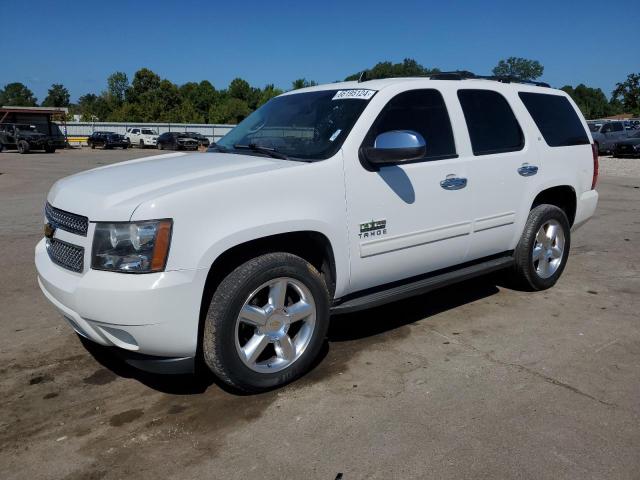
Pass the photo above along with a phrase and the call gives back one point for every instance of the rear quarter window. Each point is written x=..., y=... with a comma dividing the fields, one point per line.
x=556, y=119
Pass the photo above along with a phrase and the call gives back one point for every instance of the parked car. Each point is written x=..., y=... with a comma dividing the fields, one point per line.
x=25, y=138
x=107, y=140
x=607, y=134
x=142, y=137
x=629, y=147
x=177, y=141
x=327, y=199
x=203, y=141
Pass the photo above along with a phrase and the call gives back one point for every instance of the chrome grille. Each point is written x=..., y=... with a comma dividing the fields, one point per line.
x=66, y=255
x=66, y=221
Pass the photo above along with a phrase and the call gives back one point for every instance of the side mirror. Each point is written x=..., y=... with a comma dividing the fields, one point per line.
x=396, y=146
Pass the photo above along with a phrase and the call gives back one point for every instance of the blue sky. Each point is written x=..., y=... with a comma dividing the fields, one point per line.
x=80, y=43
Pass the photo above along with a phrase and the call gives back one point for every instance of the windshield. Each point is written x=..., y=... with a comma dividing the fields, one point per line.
x=309, y=126
x=148, y=132
x=594, y=127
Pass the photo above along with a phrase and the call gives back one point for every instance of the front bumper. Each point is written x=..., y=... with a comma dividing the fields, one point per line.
x=153, y=314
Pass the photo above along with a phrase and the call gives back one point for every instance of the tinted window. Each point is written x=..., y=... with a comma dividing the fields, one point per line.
x=422, y=111
x=606, y=128
x=556, y=119
x=492, y=126
x=617, y=127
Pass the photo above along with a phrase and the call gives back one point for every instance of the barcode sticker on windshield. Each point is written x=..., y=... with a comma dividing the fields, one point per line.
x=361, y=94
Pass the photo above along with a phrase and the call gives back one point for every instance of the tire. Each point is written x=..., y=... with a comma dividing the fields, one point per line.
x=92, y=145
x=160, y=147
x=1, y=147
x=532, y=274
x=223, y=329
x=141, y=144
x=23, y=147
x=49, y=149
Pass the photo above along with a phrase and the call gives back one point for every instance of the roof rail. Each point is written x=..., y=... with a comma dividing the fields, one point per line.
x=465, y=75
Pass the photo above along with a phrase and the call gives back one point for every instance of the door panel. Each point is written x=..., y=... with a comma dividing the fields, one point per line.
x=402, y=222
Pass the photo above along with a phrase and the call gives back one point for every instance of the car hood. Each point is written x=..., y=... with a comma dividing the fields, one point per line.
x=113, y=192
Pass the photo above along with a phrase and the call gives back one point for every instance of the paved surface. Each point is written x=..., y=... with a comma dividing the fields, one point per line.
x=475, y=381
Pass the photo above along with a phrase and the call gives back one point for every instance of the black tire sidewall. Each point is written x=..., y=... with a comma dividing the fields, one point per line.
x=524, y=260
x=219, y=333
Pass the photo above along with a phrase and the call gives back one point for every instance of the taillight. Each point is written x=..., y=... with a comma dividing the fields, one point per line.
x=596, y=165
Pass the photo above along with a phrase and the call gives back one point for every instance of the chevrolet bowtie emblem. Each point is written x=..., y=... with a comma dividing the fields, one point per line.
x=49, y=230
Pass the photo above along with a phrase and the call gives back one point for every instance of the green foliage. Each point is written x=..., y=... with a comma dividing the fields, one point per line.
x=58, y=96
x=520, y=68
x=407, y=68
x=302, y=83
x=117, y=87
x=592, y=101
x=17, y=95
x=628, y=93
x=229, y=110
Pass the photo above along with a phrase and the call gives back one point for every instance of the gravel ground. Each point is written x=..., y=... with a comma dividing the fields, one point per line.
x=620, y=167
x=475, y=381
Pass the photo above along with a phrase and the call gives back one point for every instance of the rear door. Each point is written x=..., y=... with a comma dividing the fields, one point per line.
x=502, y=168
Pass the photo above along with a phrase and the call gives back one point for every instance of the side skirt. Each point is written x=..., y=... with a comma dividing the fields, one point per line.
x=419, y=285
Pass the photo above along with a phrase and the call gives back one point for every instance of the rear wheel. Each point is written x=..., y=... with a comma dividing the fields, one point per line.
x=141, y=145
x=542, y=252
x=266, y=322
x=49, y=149
x=23, y=147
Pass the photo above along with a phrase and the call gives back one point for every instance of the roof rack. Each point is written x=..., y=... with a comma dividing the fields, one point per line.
x=466, y=75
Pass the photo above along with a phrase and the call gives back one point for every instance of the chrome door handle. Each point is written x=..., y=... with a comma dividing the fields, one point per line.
x=527, y=170
x=453, y=183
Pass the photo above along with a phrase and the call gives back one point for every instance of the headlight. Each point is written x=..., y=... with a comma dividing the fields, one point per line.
x=131, y=247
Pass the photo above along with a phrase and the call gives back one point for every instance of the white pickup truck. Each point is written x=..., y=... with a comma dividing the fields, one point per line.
x=325, y=200
x=142, y=137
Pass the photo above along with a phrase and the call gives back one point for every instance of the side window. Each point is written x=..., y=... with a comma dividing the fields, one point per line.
x=556, y=119
x=617, y=127
x=492, y=126
x=606, y=128
x=422, y=111
x=135, y=130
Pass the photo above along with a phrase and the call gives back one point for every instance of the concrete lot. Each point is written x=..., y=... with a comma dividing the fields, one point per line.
x=474, y=381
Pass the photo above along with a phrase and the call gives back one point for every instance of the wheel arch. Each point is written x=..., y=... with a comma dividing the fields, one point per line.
x=562, y=196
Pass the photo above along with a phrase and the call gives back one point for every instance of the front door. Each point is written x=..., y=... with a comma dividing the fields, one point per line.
x=409, y=218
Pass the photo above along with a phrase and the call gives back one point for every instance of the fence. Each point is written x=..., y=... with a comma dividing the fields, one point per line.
x=84, y=129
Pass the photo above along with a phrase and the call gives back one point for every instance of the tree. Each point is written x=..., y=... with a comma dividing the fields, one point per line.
x=145, y=82
x=267, y=93
x=520, y=68
x=239, y=88
x=302, y=83
x=229, y=110
x=592, y=101
x=117, y=86
x=407, y=68
x=17, y=94
x=58, y=96
x=93, y=108
x=628, y=92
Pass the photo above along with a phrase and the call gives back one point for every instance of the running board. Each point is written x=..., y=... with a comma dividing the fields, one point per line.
x=418, y=287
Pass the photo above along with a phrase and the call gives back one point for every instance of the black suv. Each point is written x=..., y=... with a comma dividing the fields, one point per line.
x=177, y=141
x=202, y=140
x=24, y=138
x=107, y=140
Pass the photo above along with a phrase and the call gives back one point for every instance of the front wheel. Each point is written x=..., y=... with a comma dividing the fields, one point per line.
x=542, y=252
x=266, y=323
x=23, y=147
x=141, y=144
x=159, y=146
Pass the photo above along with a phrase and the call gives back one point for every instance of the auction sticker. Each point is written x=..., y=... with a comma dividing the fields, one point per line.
x=360, y=93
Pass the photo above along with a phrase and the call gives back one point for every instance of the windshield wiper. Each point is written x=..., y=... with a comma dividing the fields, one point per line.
x=272, y=152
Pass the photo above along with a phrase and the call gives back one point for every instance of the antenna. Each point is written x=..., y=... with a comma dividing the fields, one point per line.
x=363, y=77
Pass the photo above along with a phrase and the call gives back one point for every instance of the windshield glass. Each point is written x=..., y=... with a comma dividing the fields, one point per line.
x=309, y=126
x=594, y=127
x=148, y=132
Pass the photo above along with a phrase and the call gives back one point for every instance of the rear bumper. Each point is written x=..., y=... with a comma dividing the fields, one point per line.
x=585, y=208
x=150, y=315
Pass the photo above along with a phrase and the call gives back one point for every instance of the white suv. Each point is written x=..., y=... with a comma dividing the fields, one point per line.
x=142, y=137
x=325, y=200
